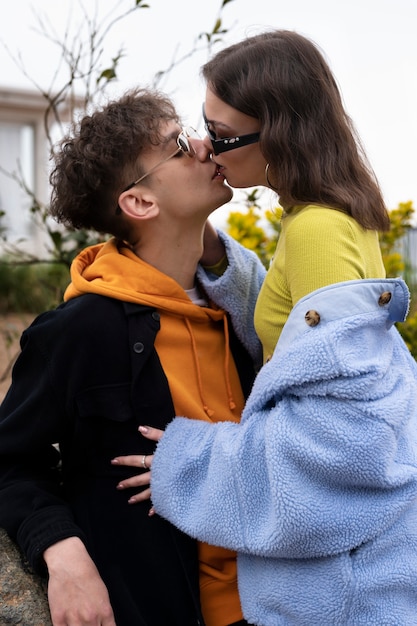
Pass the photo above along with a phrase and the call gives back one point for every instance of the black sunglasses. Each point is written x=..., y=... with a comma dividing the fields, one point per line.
x=227, y=143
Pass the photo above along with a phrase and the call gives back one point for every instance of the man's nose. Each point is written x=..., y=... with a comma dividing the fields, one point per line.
x=202, y=148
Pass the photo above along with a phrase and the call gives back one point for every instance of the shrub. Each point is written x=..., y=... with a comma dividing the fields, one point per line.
x=31, y=288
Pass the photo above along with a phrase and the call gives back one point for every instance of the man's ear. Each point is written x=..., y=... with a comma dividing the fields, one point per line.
x=138, y=204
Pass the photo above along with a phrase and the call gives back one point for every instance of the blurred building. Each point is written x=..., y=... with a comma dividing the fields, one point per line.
x=23, y=157
x=25, y=143
x=407, y=247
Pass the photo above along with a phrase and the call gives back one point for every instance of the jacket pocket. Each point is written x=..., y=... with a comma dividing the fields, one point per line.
x=106, y=427
x=105, y=403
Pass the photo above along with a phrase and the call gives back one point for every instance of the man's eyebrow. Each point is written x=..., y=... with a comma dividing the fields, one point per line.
x=173, y=135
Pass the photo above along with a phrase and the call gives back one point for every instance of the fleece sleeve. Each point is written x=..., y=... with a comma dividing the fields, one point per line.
x=237, y=290
x=323, y=460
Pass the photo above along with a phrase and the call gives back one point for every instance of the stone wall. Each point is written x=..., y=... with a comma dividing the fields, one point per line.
x=23, y=599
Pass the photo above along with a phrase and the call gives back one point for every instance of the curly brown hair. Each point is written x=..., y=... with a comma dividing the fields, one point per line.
x=101, y=155
x=281, y=78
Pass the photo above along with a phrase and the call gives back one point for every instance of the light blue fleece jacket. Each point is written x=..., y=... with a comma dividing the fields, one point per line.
x=316, y=488
x=236, y=291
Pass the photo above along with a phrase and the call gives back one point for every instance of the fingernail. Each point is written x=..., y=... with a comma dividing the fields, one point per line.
x=115, y=461
x=143, y=429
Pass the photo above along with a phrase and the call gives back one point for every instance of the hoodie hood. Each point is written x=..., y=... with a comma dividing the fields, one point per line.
x=111, y=269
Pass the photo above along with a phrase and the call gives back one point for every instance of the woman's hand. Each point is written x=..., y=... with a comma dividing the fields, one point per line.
x=140, y=461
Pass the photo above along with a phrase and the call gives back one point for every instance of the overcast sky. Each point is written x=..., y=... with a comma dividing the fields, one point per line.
x=371, y=46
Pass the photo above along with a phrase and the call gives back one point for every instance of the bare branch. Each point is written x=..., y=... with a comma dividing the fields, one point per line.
x=86, y=76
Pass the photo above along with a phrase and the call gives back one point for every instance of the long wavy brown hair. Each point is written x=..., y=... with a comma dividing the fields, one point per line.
x=313, y=150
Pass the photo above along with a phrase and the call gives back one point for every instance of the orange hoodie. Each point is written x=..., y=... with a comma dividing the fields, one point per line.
x=193, y=347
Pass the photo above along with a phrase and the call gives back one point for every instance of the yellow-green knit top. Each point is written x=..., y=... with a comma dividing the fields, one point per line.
x=317, y=246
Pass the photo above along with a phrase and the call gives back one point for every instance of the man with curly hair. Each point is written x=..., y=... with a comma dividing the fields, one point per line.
x=137, y=339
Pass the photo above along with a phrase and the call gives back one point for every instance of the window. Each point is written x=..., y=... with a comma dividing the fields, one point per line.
x=17, y=150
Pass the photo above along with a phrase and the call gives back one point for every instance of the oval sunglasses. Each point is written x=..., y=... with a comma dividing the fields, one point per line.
x=183, y=145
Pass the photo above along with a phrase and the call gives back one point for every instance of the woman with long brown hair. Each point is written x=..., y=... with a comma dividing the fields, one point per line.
x=274, y=116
